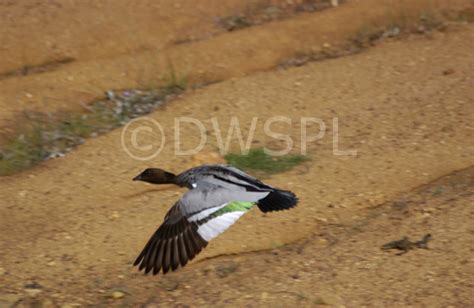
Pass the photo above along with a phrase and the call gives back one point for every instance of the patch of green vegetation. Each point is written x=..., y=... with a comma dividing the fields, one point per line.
x=366, y=35
x=258, y=160
x=226, y=269
x=22, y=152
x=172, y=82
x=277, y=245
x=235, y=22
x=438, y=190
x=43, y=137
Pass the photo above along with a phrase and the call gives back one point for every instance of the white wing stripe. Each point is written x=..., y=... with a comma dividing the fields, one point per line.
x=217, y=225
x=204, y=213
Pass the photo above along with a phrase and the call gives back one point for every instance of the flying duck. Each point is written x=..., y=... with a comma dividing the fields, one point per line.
x=219, y=195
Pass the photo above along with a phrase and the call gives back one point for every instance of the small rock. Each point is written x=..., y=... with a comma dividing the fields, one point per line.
x=52, y=263
x=449, y=71
x=272, y=11
x=29, y=95
x=115, y=215
x=2, y=271
x=117, y=295
x=322, y=219
x=264, y=295
x=395, y=31
x=326, y=45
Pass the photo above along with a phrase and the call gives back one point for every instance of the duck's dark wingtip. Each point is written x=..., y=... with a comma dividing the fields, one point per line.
x=278, y=200
x=154, y=257
x=138, y=260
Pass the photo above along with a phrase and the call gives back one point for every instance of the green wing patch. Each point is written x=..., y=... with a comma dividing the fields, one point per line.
x=234, y=207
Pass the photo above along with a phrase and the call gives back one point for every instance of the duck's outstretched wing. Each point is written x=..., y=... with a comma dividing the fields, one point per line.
x=201, y=215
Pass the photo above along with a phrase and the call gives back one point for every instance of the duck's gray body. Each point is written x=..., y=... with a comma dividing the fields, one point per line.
x=218, y=196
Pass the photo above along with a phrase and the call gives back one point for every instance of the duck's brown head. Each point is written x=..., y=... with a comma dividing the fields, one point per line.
x=156, y=176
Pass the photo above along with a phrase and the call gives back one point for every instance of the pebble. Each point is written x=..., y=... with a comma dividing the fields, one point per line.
x=117, y=295
x=2, y=271
x=322, y=219
x=449, y=71
x=115, y=215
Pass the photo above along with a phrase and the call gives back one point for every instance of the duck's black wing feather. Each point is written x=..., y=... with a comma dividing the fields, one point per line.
x=174, y=243
x=278, y=200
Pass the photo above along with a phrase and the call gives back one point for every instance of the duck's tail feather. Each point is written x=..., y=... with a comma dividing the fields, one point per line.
x=278, y=200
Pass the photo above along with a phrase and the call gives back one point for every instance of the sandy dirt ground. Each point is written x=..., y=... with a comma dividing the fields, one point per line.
x=110, y=46
x=71, y=227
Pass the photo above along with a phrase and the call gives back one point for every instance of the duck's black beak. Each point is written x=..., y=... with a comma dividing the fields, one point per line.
x=137, y=178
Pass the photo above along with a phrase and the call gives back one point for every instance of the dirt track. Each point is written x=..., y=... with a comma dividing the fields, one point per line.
x=74, y=225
